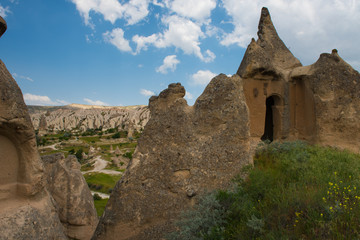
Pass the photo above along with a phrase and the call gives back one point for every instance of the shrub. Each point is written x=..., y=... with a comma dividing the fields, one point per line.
x=202, y=221
x=293, y=191
x=96, y=197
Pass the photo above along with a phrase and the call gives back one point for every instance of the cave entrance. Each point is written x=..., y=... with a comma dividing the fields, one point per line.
x=269, y=120
x=273, y=118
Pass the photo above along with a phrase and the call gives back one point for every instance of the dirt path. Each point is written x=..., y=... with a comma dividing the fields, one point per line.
x=53, y=146
x=99, y=166
x=102, y=195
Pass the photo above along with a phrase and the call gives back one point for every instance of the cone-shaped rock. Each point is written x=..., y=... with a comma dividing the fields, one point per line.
x=268, y=55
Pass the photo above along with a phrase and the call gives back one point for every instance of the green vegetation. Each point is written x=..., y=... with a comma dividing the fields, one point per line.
x=90, y=139
x=101, y=182
x=293, y=191
x=100, y=205
x=121, y=134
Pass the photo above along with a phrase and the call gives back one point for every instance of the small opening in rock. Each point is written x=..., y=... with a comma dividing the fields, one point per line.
x=269, y=120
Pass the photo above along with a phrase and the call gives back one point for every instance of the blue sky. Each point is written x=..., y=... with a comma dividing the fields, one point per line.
x=117, y=52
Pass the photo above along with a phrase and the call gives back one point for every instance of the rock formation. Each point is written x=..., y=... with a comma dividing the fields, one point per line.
x=26, y=208
x=83, y=117
x=72, y=196
x=318, y=103
x=183, y=152
x=335, y=89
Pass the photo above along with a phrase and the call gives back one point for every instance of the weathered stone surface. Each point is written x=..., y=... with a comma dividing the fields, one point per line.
x=336, y=95
x=83, y=117
x=268, y=56
x=34, y=219
x=183, y=151
x=72, y=196
x=265, y=68
x=318, y=103
x=26, y=210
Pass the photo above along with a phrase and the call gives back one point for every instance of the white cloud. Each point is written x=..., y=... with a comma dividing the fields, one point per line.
x=147, y=93
x=133, y=11
x=198, y=10
x=96, y=102
x=16, y=76
x=116, y=38
x=181, y=33
x=4, y=11
x=307, y=27
x=31, y=99
x=188, y=96
x=202, y=77
x=169, y=63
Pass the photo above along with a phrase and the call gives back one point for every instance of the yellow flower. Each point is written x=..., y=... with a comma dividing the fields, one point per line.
x=321, y=214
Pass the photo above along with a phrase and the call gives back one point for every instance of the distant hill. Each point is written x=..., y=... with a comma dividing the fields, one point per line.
x=83, y=117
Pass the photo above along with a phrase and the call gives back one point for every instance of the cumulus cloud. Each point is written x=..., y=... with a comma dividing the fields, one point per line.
x=181, y=33
x=16, y=76
x=202, y=77
x=96, y=102
x=197, y=10
x=169, y=63
x=146, y=93
x=307, y=27
x=31, y=99
x=4, y=11
x=133, y=11
x=188, y=96
x=116, y=38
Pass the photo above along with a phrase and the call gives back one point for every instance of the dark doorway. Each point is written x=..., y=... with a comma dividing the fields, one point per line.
x=269, y=120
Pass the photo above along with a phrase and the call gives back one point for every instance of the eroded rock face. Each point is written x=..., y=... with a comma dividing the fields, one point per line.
x=336, y=95
x=72, y=196
x=83, y=117
x=26, y=208
x=183, y=152
x=318, y=103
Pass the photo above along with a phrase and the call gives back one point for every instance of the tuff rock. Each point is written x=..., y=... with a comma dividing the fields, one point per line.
x=26, y=208
x=183, y=152
x=83, y=117
x=72, y=196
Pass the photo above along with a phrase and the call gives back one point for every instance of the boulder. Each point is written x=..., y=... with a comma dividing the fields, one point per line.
x=72, y=195
x=183, y=152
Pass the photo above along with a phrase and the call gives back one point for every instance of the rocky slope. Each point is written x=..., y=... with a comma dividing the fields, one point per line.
x=82, y=117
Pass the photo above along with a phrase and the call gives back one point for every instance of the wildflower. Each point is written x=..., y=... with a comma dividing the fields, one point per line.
x=330, y=183
x=321, y=215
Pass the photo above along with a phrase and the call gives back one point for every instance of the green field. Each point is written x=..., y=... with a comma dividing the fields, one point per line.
x=101, y=182
x=100, y=206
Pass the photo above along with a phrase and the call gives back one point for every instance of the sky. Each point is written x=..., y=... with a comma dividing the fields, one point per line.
x=121, y=52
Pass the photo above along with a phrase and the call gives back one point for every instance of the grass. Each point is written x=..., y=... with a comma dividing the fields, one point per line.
x=293, y=191
x=100, y=206
x=101, y=182
x=90, y=139
x=87, y=167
